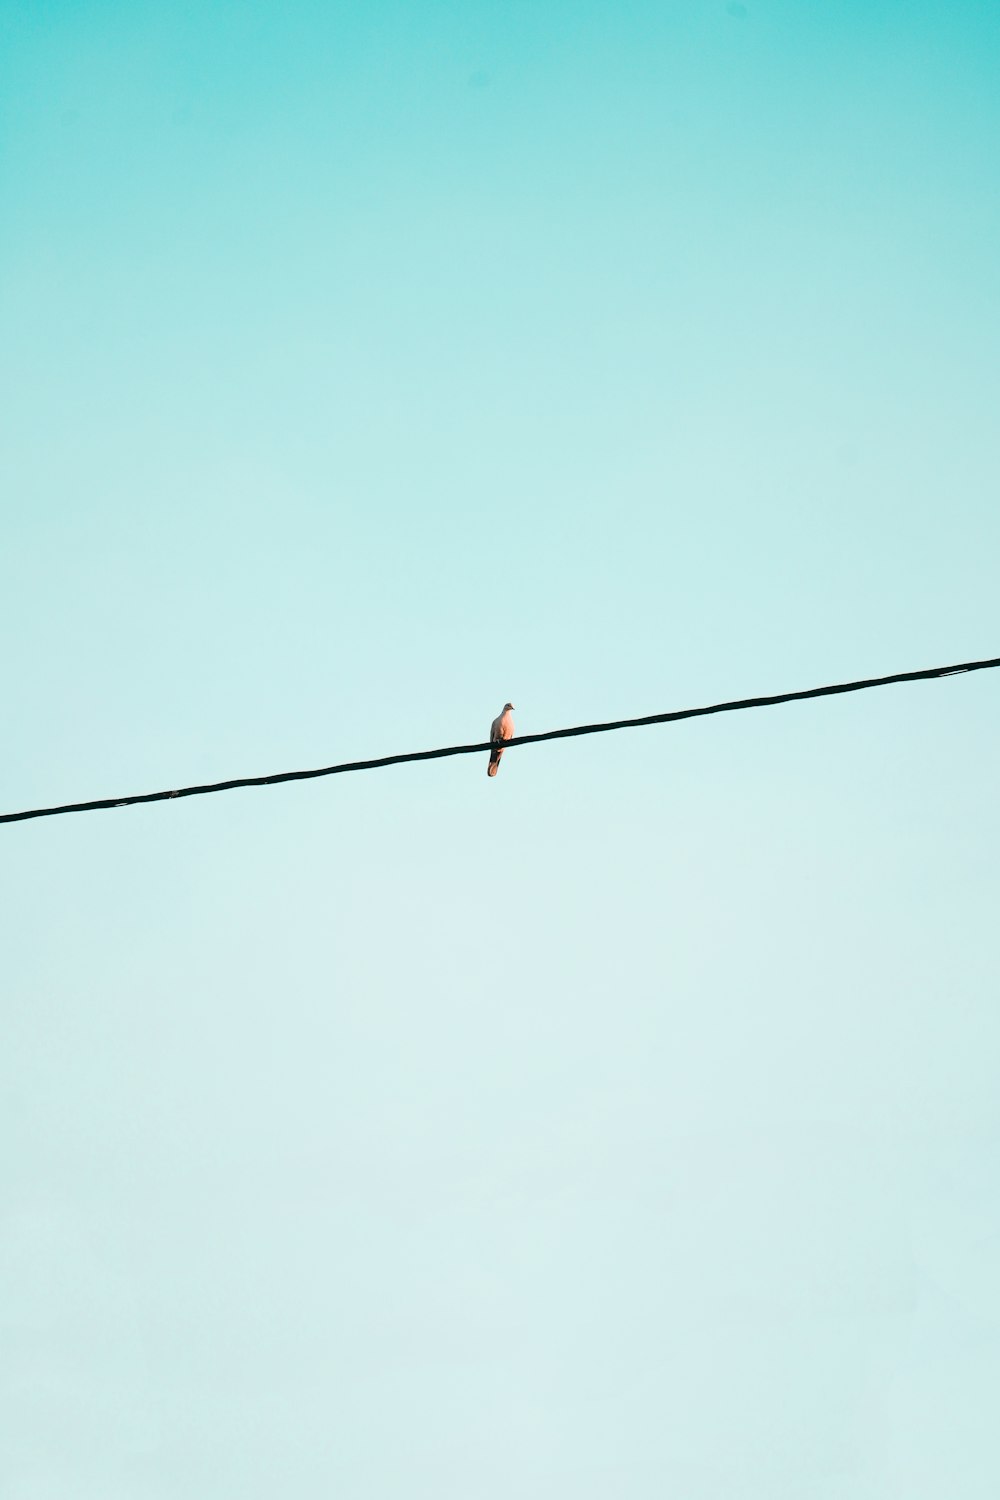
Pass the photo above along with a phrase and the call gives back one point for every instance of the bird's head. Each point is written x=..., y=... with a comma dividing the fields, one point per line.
x=508, y=707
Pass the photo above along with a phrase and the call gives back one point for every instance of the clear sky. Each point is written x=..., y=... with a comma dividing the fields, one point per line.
x=627, y=1125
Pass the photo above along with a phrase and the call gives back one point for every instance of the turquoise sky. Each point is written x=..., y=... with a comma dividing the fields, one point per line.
x=627, y=1125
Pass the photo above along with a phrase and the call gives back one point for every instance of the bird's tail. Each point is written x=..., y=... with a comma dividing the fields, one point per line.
x=494, y=765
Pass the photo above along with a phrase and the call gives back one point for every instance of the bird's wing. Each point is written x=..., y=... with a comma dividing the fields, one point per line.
x=496, y=728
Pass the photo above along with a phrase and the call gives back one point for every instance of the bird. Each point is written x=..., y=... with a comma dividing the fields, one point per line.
x=502, y=728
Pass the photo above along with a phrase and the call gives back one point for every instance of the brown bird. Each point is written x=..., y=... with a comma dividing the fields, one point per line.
x=502, y=728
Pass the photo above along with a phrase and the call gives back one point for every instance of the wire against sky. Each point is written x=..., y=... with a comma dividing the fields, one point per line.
x=924, y=675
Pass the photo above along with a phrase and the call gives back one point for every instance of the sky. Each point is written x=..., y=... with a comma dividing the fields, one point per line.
x=626, y=1124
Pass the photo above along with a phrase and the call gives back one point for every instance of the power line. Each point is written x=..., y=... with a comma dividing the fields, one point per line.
x=926, y=674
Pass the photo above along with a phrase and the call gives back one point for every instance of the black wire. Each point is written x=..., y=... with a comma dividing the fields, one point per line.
x=523, y=739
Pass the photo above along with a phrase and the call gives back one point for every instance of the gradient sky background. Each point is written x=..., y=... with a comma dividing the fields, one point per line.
x=625, y=1126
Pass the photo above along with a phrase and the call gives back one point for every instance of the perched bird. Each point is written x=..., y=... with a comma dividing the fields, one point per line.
x=502, y=728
